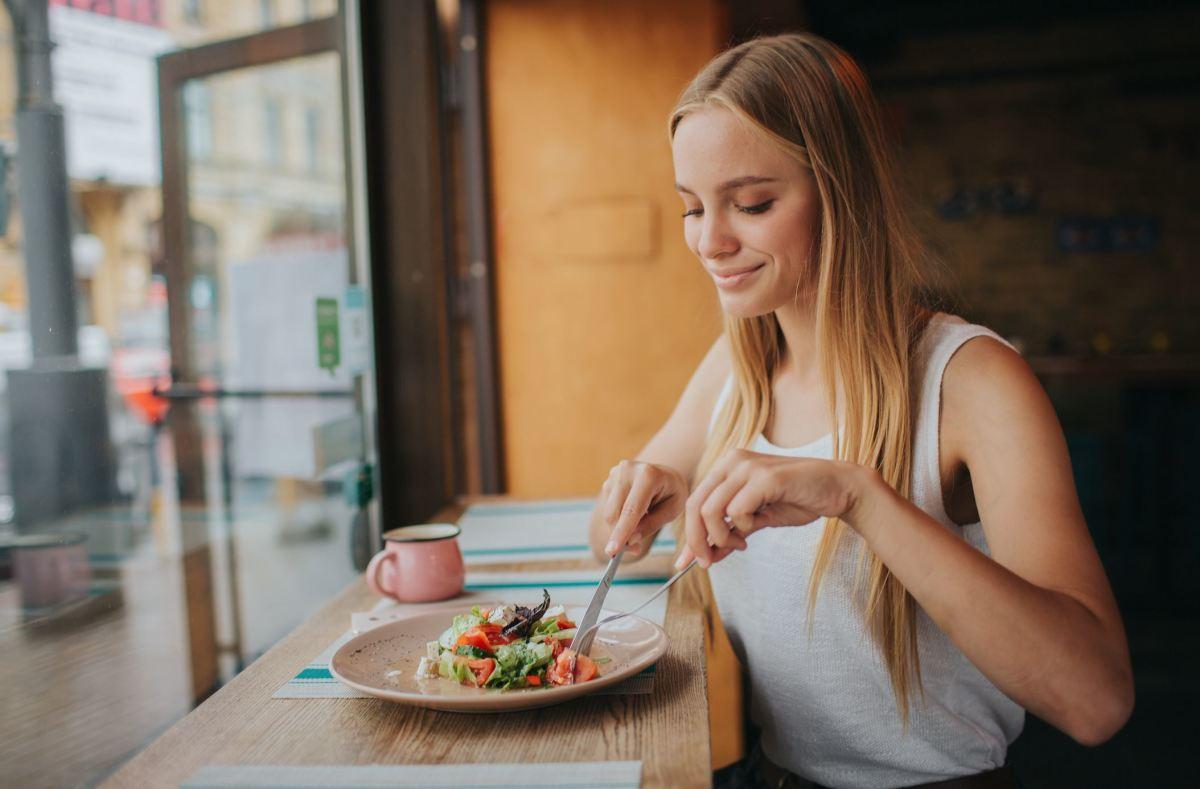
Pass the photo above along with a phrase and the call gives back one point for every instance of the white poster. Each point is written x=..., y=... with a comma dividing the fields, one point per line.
x=106, y=79
x=272, y=345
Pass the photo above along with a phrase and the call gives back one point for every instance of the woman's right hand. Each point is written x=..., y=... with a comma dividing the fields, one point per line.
x=635, y=502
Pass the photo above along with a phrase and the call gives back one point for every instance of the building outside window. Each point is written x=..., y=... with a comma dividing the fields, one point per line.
x=198, y=100
x=273, y=132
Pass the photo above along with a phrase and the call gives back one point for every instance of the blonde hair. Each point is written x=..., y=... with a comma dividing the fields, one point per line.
x=809, y=97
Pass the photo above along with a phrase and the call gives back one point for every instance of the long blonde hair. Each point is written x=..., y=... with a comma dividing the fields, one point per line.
x=807, y=96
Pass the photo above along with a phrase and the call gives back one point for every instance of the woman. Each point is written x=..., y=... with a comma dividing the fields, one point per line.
x=929, y=576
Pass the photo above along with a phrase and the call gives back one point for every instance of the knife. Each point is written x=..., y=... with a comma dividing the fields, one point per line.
x=593, y=609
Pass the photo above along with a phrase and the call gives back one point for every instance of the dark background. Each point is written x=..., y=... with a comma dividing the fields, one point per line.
x=1052, y=149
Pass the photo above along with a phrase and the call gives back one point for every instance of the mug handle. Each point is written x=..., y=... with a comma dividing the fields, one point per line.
x=374, y=568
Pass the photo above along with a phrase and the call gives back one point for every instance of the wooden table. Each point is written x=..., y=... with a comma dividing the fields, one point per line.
x=241, y=724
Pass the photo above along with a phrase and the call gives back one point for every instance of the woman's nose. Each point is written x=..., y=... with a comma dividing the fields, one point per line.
x=716, y=239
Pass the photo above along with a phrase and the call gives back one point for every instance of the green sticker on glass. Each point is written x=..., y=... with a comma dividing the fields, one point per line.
x=329, y=346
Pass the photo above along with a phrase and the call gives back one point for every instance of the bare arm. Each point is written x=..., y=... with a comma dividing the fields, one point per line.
x=677, y=446
x=1038, y=616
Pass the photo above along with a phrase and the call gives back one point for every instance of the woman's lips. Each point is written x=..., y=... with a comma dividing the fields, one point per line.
x=731, y=278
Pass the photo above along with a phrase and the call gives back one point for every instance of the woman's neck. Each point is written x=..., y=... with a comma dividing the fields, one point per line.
x=801, y=358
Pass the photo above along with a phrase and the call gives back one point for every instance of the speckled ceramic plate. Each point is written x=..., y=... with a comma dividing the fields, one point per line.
x=382, y=662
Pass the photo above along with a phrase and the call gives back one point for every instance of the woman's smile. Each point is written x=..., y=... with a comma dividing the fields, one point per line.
x=732, y=278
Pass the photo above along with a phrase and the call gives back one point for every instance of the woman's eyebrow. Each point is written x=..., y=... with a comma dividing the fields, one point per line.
x=735, y=183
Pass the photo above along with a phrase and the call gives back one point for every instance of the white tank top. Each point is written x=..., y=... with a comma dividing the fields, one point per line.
x=825, y=702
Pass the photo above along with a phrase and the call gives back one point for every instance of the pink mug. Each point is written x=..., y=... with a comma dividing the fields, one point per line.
x=418, y=564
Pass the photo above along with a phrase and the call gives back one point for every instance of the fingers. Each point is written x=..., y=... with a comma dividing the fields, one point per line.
x=695, y=533
x=721, y=553
x=636, y=503
x=721, y=532
x=618, y=484
x=686, y=556
x=661, y=513
x=746, y=506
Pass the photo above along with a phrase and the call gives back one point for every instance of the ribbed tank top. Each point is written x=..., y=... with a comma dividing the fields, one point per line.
x=825, y=702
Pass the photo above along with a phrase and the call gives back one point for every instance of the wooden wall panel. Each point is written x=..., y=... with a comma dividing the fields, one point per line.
x=602, y=312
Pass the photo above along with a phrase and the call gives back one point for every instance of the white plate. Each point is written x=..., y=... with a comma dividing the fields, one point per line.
x=365, y=662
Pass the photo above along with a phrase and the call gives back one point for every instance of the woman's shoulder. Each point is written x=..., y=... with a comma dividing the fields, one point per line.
x=982, y=369
x=987, y=385
x=946, y=339
x=966, y=359
x=970, y=349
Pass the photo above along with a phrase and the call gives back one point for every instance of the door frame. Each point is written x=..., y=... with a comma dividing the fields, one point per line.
x=400, y=231
x=410, y=215
x=174, y=70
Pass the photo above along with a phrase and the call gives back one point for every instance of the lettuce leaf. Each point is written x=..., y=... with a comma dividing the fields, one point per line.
x=546, y=627
x=455, y=667
x=515, y=661
x=459, y=625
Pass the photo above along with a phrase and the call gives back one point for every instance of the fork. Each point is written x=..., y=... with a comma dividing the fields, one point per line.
x=582, y=643
x=584, y=640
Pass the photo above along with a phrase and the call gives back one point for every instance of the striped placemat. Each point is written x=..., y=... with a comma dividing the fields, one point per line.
x=572, y=587
x=537, y=530
x=575, y=775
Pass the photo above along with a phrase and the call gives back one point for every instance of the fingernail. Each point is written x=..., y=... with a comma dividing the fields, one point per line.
x=635, y=541
x=611, y=548
x=679, y=562
x=703, y=563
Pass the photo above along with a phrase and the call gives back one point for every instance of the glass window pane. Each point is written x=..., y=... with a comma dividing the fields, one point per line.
x=114, y=574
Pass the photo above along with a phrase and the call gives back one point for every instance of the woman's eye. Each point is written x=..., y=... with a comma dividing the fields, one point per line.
x=755, y=209
x=692, y=212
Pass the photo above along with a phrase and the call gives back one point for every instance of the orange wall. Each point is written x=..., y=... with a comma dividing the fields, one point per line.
x=603, y=313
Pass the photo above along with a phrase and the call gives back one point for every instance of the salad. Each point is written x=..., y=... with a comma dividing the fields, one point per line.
x=508, y=647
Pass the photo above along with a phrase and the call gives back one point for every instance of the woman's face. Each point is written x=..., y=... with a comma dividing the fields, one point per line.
x=750, y=212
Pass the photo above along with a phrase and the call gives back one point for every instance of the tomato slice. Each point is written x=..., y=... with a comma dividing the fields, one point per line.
x=496, y=637
x=534, y=680
x=474, y=638
x=564, y=623
x=494, y=633
x=560, y=670
x=482, y=669
x=585, y=668
x=483, y=636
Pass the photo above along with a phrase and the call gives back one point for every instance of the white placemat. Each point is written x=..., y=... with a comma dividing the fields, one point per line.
x=592, y=775
x=572, y=587
x=524, y=531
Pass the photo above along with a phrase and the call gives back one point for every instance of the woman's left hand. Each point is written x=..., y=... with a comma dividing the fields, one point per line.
x=747, y=491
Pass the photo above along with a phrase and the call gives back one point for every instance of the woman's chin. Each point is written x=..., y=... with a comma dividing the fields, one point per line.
x=737, y=306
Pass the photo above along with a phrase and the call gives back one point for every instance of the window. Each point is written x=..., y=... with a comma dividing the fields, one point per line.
x=197, y=108
x=312, y=139
x=273, y=125
x=193, y=12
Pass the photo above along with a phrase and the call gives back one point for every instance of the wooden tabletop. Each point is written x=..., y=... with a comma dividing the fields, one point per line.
x=242, y=724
